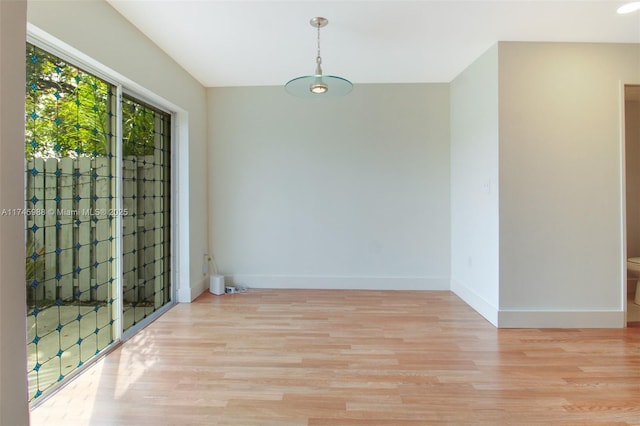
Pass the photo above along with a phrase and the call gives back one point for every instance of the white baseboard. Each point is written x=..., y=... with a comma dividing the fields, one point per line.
x=529, y=318
x=478, y=303
x=189, y=294
x=340, y=282
x=521, y=318
x=501, y=318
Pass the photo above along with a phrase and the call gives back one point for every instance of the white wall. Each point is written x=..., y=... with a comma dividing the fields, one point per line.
x=348, y=192
x=474, y=185
x=13, y=340
x=561, y=259
x=95, y=29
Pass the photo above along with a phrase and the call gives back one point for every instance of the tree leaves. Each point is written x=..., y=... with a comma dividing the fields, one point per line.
x=67, y=109
x=71, y=113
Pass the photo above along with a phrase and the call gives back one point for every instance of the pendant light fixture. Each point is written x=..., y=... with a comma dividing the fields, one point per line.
x=318, y=85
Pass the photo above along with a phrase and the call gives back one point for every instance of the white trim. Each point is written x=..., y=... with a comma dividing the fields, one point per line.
x=118, y=255
x=340, y=282
x=175, y=224
x=531, y=318
x=520, y=318
x=475, y=301
x=180, y=194
x=623, y=197
x=188, y=294
x=623, y=193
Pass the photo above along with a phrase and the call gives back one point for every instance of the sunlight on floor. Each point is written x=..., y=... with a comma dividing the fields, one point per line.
x=139, y=353
x=59, y=331
x=103, y=378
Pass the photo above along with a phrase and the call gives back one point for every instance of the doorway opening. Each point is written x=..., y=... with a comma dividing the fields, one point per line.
x=632, y=185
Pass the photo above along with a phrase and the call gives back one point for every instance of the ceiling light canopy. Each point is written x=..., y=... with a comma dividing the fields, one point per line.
x=629, y=7
x=318, y=85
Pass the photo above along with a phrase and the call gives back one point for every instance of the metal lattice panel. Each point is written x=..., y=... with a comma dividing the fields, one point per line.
x=73, y=215
x=146, y=176
x=70, y=233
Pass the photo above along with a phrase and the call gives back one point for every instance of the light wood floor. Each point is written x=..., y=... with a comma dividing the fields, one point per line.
x=307, y=357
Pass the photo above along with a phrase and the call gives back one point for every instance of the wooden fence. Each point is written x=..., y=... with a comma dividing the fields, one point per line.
x=71, y=226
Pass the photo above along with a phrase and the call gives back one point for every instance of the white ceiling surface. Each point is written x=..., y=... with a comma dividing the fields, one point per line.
x=264, y=43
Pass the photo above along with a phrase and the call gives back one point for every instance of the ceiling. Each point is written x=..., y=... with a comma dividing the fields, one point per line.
x=261, y=43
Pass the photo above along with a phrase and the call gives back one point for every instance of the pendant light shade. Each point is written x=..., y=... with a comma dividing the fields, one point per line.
x=318, y=85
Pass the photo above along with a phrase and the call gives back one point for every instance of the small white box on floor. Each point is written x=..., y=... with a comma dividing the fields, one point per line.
x=216, y=284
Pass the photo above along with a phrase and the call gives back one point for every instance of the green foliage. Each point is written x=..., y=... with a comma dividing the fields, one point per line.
x=33, y=264
x=138, y=128
x=68, y=111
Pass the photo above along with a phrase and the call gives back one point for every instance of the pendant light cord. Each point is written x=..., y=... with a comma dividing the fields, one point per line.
x=318, y=58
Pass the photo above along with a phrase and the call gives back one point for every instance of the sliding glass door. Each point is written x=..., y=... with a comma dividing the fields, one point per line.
x=97, y=208
x=146, y=185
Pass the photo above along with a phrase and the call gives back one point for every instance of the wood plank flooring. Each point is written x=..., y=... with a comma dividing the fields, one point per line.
x=311, y=357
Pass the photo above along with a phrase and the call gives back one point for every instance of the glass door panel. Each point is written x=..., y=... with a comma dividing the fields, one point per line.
x=146, y=177
x=85, y=289
x=70, y=231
